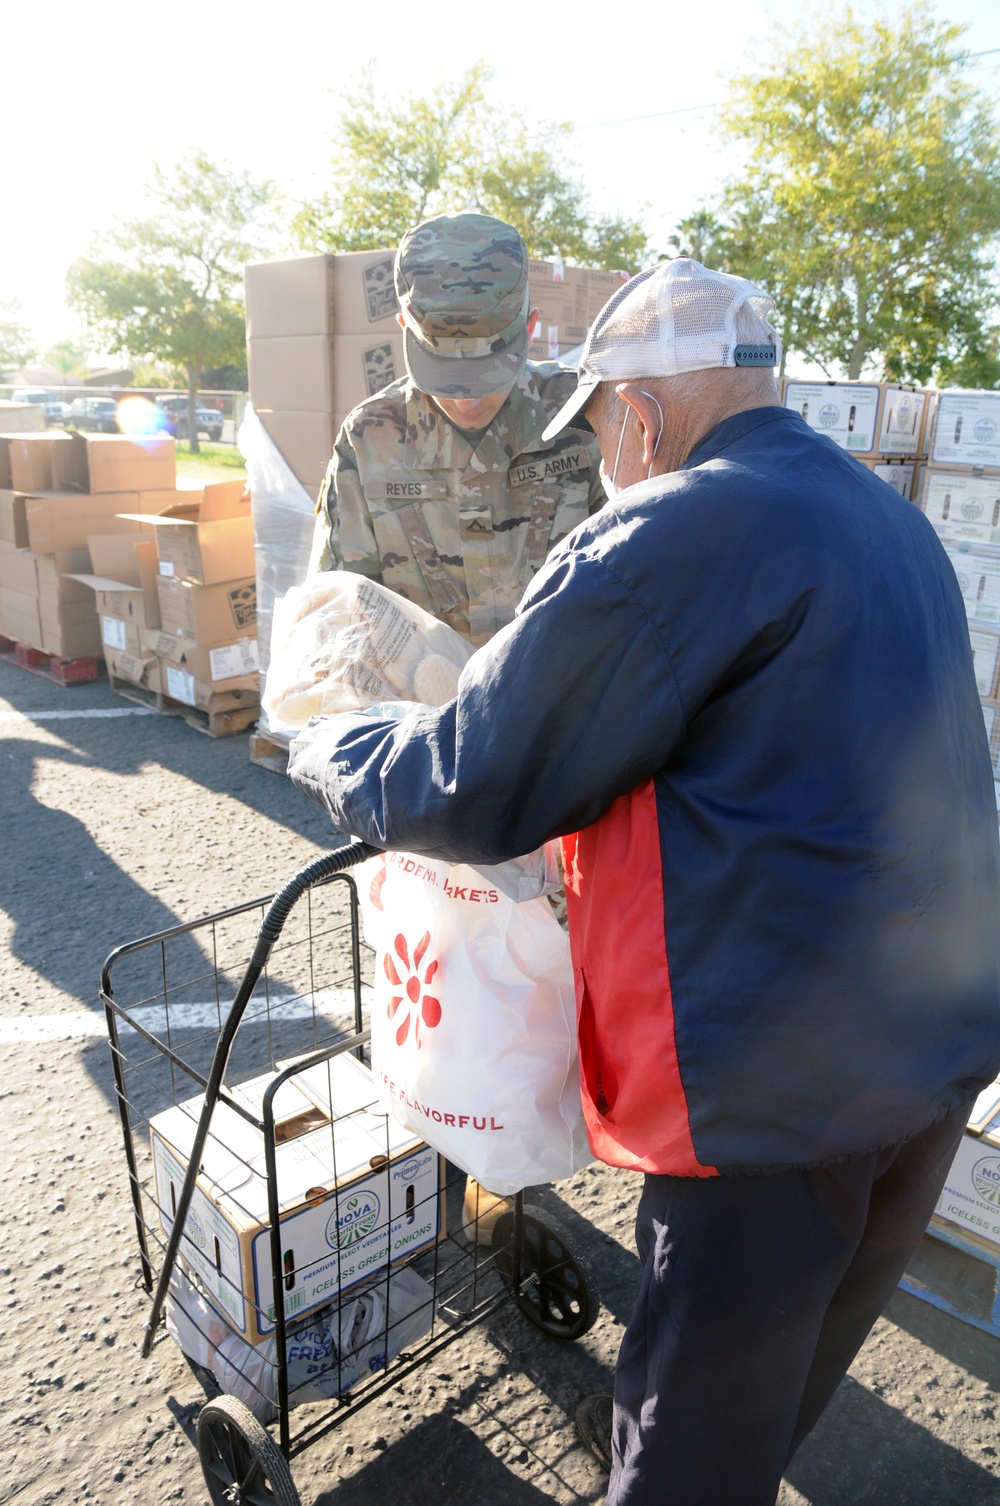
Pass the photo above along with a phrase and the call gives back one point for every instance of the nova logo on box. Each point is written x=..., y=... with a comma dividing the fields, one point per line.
x=828, y=415
x=353, y=1220
x=195, y=1230
x=972, y=509
x=985, y=431
x=986, y=1179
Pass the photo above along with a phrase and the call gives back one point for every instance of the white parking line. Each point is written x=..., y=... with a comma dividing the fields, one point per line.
x=66, y=716
x=335, y=1004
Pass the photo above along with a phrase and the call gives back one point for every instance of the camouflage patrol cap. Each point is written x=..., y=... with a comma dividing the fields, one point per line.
x=462, y=282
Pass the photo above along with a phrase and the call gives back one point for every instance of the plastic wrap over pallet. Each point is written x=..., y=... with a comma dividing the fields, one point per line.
x=284, y=518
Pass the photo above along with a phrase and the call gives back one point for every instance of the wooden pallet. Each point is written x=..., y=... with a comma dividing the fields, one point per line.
x=269, y=750
x=212, y=723
x=83, y=670
x=957, y=1272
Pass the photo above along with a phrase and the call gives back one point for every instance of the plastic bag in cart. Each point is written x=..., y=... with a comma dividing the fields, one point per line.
x=473, y=1039
x=327, y=1352
x=341, y=642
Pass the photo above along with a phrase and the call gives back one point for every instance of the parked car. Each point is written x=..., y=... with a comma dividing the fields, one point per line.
x=55, y=408
x=209, y=420
x=98, y=414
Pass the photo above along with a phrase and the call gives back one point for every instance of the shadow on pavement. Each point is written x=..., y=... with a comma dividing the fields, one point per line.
x=967, y=1347
x=864, y=1452
x=440, y=1461
x=60, y=889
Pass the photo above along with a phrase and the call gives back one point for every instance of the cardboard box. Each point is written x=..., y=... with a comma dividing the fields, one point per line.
x=304, y=440
x=127, y=611
x=971, y=1193
x=209, y=615
x=206, y=538
x=899, y=474
x=18, y=570
x=352, y=293
x=129, y=557
x=978, y=576
x=967, y=430
x=991, y=716
x=20, y=418
x=13, y=522
x=211, y=666
x=961, y=505
x=292, y=372
x=69, y=629
x=902, y=427
x=65, y=520
x=341, y=1219
x=985, y=659
x=100, y=463
x=846, y=412
x=21, y=620
x=31, y=460
x=568, y=300
x=143, y=672
x=363, y=365
x=239, y=694
x=57, y=576
x=364, y=292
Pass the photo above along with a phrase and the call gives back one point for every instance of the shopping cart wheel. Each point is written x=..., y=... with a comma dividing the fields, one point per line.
x=242, y=1464
x=557, y=1290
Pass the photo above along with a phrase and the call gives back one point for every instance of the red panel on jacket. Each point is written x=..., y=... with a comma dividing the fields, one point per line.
x=633, y=1097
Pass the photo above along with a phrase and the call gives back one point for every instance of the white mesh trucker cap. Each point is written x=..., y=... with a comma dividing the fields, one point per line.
x=678, y=316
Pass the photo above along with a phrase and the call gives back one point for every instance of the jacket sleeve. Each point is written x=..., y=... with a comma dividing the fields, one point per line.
x=568, y=707
x=345, y=535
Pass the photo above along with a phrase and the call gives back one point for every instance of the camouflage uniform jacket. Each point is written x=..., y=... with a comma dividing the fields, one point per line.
x=460, y=531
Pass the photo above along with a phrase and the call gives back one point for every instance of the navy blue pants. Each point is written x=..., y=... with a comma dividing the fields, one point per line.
x=757, y=1293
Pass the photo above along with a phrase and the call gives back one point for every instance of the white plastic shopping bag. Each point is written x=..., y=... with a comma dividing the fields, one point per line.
x=474, y=1021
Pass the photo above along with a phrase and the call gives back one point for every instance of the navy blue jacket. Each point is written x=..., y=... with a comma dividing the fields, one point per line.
x=746, y=689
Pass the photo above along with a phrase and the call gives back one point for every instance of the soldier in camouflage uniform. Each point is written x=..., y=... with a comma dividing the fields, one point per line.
x=440, y=485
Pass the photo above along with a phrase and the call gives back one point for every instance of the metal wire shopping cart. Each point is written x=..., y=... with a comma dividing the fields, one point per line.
x=301, y=1247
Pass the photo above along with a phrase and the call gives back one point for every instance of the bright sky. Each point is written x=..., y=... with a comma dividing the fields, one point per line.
x=90, y=99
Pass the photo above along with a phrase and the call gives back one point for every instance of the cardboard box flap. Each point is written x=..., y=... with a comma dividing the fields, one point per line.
x=221, y=499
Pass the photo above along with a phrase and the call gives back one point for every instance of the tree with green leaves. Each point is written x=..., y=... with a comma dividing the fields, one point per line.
x=169, y=287
x=869, y=206
x=16, y=345
x=396, y=164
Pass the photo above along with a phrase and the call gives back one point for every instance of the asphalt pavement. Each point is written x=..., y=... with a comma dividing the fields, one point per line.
x=117, y=822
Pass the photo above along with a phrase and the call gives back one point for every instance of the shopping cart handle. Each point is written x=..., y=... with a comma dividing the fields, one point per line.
x=314, y=873
x=277, y=913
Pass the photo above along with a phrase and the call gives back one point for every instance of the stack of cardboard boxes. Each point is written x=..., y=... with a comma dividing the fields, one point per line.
x=883, y=424
x=321, y=336
x=960, y=493
x=177, y=608
x=58, y=491
x=568, y=300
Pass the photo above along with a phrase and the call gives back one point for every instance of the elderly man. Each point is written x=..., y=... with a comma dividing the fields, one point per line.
x=441, y=486
x=743, y=694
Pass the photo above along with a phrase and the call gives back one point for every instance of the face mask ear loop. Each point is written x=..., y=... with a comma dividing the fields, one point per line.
x=621, y=438
x=659, y=436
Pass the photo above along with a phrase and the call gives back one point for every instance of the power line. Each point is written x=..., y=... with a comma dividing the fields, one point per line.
x=599, y=125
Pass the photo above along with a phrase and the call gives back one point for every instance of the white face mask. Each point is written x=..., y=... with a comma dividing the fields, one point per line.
x=608, y=482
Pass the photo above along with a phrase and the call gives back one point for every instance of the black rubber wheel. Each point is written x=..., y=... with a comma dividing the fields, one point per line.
x=242, y=1464
x=557, y=1291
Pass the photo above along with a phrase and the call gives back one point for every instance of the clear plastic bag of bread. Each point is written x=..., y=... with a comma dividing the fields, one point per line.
x=341, y=642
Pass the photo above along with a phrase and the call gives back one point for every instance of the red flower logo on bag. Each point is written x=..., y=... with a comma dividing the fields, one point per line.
x=422, y=1007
